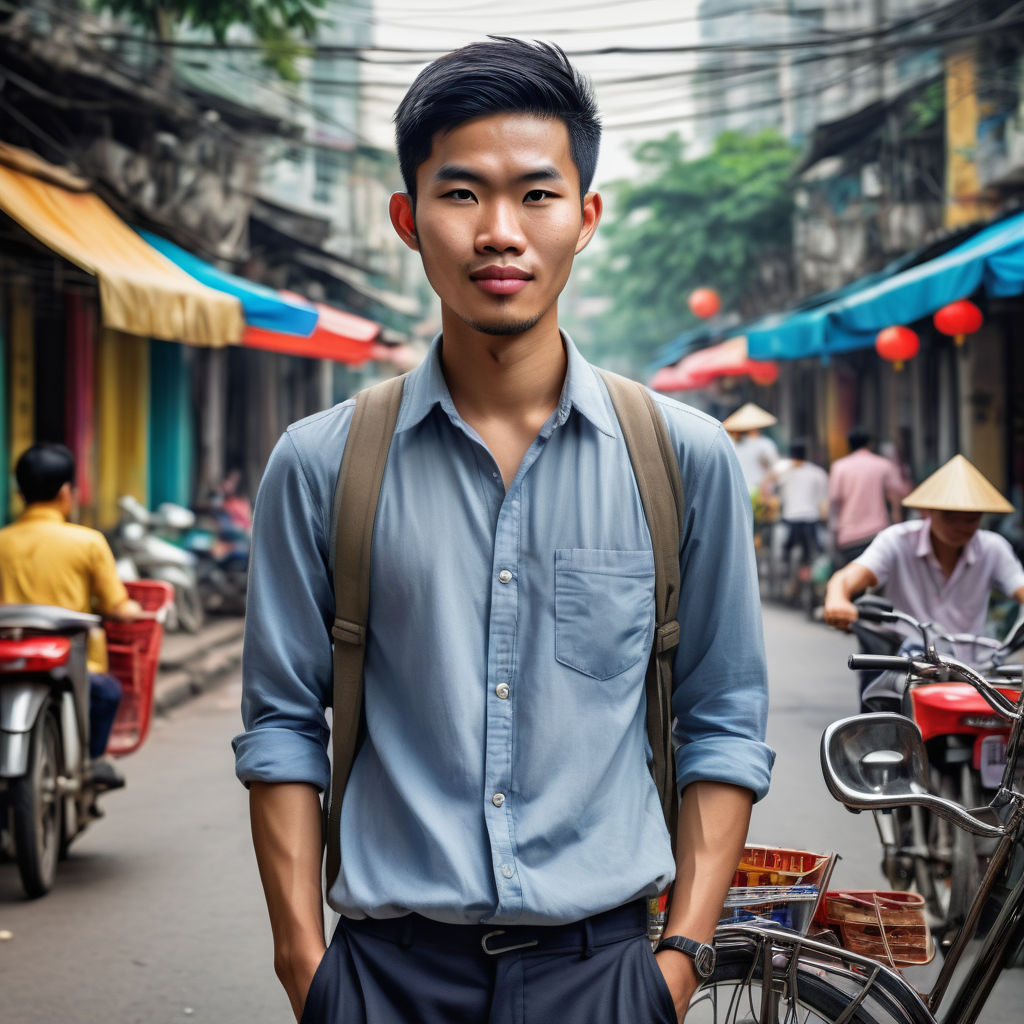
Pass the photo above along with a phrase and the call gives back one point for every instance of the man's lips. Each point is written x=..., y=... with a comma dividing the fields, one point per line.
x=500, y=280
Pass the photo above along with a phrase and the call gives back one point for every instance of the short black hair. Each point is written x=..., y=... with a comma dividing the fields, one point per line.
x=798, y=449
x=43, y=470
x=500, y=76
x=858, y=437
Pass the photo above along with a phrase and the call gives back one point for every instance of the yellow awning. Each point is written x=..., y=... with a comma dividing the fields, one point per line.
x=141, y=291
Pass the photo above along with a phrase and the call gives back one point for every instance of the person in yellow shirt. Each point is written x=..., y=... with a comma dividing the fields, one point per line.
x=45, y=559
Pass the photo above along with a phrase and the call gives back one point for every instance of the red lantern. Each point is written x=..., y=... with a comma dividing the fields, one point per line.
x=958, y=318
x=897, y=344
x=763, y=373
x=704, y=302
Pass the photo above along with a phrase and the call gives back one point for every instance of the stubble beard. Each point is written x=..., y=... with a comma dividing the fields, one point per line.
x=505, y=328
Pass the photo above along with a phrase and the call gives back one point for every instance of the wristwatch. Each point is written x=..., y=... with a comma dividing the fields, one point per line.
x=702, y=955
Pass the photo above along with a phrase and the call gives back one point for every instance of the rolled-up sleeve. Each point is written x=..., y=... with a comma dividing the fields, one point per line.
x=286, y=662
x=720, y=696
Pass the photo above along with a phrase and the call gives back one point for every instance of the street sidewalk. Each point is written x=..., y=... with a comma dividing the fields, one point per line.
x=191, y=663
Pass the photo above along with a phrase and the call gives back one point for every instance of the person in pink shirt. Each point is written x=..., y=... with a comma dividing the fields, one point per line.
x=864, y=491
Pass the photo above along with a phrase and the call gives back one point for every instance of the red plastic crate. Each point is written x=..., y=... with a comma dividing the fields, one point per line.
x=133, y=651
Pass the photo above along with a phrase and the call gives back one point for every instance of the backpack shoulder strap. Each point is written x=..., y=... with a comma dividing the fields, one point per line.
x=355, y=508
x=656, y=469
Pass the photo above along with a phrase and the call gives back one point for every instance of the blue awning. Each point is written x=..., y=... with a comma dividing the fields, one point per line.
x=261, y=306
x=991, y=260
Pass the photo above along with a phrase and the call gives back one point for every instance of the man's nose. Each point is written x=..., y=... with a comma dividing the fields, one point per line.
x=500, y=229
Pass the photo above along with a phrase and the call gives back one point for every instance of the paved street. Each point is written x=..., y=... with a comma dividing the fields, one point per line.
x=157, y=917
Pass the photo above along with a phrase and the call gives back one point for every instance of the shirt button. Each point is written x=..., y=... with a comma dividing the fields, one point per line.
x=502, y=690
x=498, y=799
x=507, y=870
x=504, y=576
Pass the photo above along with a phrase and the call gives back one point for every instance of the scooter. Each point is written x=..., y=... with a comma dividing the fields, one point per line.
x=966, y=745
x=221, y=548
x=47, y=793
x=140, y=550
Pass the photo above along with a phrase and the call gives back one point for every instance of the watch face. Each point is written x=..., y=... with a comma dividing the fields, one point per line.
x=704, y=961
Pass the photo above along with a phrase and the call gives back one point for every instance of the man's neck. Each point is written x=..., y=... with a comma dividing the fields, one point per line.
x=47, y=506
x=946, y=554
x=509, y=378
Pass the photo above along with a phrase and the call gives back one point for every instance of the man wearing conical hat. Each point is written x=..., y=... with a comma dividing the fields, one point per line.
x=757, y=453
x=940, y=568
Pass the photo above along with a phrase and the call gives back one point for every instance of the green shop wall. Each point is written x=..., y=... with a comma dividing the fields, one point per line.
x=171, y=442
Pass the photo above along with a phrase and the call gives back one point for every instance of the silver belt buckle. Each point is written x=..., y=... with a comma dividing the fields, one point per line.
x=485, y=944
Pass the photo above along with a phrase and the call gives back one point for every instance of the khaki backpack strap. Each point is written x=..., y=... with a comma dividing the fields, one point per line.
x=355, y=503
x=656, y=469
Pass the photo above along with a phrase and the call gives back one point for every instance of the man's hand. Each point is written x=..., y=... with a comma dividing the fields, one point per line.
x=839, y=612
x=297, y=976
x=681, y=978
x=845, y=584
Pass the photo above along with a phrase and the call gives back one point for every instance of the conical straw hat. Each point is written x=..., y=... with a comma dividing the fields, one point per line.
x=748, y=417
x=957, y=487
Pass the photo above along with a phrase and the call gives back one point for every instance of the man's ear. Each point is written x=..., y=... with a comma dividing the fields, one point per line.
x=403, y=220
x=592, y=207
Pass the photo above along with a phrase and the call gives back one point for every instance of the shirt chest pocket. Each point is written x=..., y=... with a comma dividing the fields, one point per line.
x=604, y=609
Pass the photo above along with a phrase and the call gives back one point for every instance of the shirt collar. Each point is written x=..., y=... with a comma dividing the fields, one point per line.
x=924, y=545
x=33, y=514
x=425, y=388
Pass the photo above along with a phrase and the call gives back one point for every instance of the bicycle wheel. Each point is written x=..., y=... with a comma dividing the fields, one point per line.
x=812, y=994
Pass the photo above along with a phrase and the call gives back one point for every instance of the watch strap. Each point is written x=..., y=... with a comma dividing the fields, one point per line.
x=702, y=954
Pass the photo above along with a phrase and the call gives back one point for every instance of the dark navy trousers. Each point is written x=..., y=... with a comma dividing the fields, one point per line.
x=414, y=971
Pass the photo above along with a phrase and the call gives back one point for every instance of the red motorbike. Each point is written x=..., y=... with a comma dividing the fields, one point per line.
x=46, y=795
x=966, y=745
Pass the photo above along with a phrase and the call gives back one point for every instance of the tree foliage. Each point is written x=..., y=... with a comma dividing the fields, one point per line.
x=722, y=221
x=278, y=25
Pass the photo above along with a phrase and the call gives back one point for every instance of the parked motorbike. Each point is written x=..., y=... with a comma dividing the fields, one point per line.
x=47, y=795
x=142, y=551
x=221, y=548
x=966, y=744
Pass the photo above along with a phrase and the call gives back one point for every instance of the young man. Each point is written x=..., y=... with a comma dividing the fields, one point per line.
x=500, y=829
x=803, y=497
x=45, y=559
x=941, y=568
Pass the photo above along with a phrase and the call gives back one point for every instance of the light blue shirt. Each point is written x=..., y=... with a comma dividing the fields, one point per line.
x=504, y=775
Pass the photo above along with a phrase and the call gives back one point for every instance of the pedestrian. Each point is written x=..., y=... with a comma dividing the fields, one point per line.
x=756, y=452
x=864, y=491
x=500, y=831
x=941, y=568
x=47, y=559
x=802, y=488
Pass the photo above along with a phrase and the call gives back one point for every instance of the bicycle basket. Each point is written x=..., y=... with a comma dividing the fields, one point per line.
x=776, y=885
x=886, y=926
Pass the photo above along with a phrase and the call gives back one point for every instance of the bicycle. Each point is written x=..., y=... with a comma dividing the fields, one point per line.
x=775, y=975
x=964, y=744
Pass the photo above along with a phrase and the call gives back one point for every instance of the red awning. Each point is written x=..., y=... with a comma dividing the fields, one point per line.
x=699, y=369
x=339, y=336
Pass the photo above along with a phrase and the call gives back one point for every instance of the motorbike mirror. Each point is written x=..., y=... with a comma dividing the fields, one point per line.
x=133, y=531
x=876, y=762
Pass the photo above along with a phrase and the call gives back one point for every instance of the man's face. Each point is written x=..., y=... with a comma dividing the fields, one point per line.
x=954, y=529
x=498, y=221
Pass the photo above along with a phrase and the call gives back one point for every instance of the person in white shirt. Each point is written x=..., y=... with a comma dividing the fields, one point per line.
x=802, y=488
x=941, y=568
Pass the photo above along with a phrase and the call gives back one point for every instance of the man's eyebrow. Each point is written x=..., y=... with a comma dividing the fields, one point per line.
x=456, y=172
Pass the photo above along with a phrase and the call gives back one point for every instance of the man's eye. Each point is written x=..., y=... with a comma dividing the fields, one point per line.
x=537, y=195
x=461, y=194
